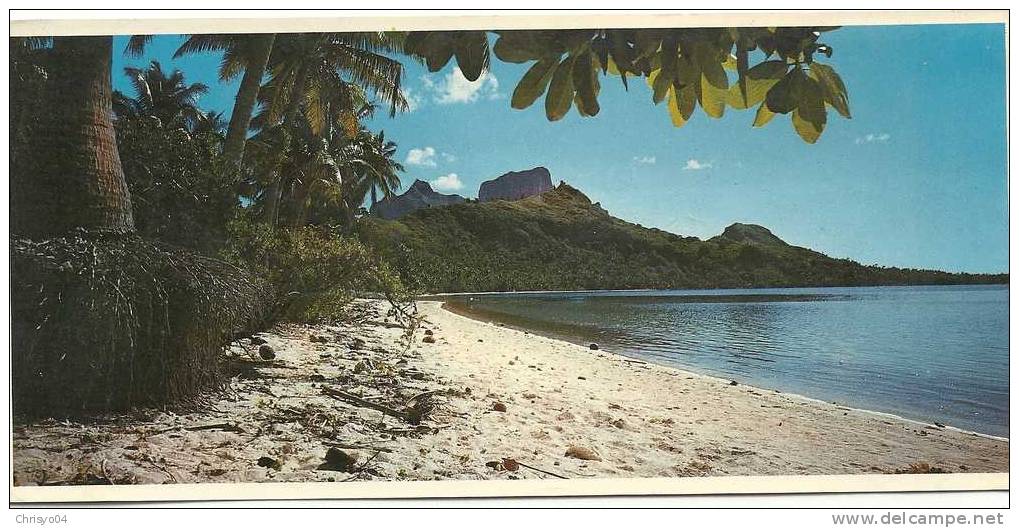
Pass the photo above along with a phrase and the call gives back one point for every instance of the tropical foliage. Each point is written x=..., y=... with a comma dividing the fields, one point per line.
x=163, y=96
x=561, y=241
x=686, y=68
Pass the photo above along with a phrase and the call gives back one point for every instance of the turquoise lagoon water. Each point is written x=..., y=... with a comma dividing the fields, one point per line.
x=929, y=353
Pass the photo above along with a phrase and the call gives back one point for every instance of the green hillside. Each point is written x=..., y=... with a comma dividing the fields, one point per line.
x=561, y=241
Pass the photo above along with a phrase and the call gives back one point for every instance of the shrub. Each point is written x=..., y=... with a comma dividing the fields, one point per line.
x=178, y=193
x=316, y=270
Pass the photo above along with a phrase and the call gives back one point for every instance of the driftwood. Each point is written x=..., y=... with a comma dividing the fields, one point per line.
x=361, y=402
x=542, y=470
x=225, y=426
x=366, y=446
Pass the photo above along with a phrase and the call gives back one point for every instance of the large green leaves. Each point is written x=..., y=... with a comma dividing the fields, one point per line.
x=687, y=67
x=533, y=83
x=757, y=81
x=833, y=88
x=436, y=48
x=560, y=91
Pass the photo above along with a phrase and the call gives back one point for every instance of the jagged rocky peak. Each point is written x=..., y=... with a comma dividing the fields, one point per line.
x=418, y=196
x=516, y=185
x=750, y=233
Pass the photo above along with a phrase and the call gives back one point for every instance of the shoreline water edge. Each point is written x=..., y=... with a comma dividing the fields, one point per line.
x=470, y=400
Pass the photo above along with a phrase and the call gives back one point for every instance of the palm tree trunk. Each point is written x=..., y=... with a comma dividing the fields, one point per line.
x=244, y=103
x=289, y=121
x=375, y=198
x=75, y=180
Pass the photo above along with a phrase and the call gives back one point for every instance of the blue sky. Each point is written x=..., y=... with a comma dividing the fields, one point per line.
x=917, y=178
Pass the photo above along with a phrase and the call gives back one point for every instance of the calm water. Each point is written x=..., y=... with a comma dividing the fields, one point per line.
x=931, y=353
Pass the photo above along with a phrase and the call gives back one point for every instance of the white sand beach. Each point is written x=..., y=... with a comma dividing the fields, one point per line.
x=492, y=393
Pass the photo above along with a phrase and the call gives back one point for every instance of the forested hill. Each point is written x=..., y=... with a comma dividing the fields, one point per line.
x=559, y=240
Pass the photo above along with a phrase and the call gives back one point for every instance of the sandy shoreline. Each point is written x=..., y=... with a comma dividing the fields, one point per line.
x=489, y=393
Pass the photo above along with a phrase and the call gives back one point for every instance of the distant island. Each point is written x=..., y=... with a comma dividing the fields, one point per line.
x=545, y=238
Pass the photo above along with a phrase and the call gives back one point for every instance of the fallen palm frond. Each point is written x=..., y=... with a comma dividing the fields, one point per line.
x=102, y=324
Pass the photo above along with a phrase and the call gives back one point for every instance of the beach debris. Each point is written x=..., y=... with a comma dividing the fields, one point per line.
x=919, y=468
x=499, y=406
x=510, y=464
x=733, y=383
x=318, y=338
x=416, y=409
x=619, y=423
x=481, y=340
x=593, y=346
x=530, y=396
x=339, y=460
x=583, y=453
x=939, y=425
x=428, y=332
x=581, y=378
x=266, y=352
x=428, y=339
x=255, y=340
x=356, y=344
x=269, y=462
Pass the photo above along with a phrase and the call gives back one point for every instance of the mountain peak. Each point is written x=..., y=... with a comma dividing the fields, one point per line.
x=751, y=234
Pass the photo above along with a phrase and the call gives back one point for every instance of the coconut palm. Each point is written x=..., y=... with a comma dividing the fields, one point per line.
x=166, y=97
x=76, y=181
x=322, y=79
x=210, y=122
x=382, y=168
x=241, y=53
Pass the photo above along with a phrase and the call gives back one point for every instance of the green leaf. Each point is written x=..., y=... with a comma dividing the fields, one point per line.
x=834, y=90
x=811, y=105
x=742, y=67
x=707, y=59
x=682, y=103
x=560, y=91
x=585, y=79
x=660, y=82
x=759, y=80
x=763, y=116
x=533, y=83
x=808, y=130
x=783, y=97
x=472, y=54
x=524, y=46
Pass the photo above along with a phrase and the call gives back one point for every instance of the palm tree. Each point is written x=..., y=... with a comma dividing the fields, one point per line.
x=247, y=53
x=210, y=122
x=322, y=78
x=166, y=97
x=381, y=168
x=76, y=181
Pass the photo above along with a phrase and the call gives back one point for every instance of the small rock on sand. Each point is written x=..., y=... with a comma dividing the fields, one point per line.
x=428, y=339
x=339, y=460
x=428, y=332
x=583, y=453
x=593, y=346
x=266, y=352
x=499, y=406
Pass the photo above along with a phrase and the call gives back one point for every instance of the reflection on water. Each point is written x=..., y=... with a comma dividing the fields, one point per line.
x=933, y=353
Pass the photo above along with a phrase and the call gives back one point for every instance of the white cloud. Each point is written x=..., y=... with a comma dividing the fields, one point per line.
x=449, y=182
x=449, y=158
x=455, y=88
x=872, y=138
x=424, y=157
x=692, y=164
x=645, y=160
